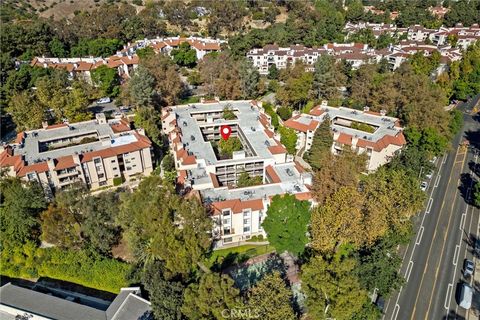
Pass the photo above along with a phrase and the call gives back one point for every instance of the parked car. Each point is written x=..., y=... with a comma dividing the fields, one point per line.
x=124, y=108
x=104, y=100
x=429, y=175
x=468, y=268
x=465, y=298
x=424, y=186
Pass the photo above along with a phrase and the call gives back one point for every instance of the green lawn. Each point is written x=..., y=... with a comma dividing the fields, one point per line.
x=226, y=257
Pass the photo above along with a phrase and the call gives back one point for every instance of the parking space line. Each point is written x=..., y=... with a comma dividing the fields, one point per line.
x=462, y=221
x=429, y=205
x=419, y=235
x=448, y=296
x=456, y=254
x=409, y=270
x=437, y=180
x=395, y=312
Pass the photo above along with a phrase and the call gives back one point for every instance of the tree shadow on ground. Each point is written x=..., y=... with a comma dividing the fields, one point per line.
x=466, y=183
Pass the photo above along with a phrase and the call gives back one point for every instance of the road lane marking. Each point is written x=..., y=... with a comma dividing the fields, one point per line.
x=456, y=254
x=395, y=312
x=443, y=243
x=448, y=296
x=444, y=159
x=429, y=205
x=462, y=221
x=437, y=180
x=419, y=236
x=409, y=270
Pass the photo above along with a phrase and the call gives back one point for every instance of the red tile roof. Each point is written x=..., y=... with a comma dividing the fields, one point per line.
x=36, y=167
x=272, y=174
x=64, y=163
x=237, y=205
x=293, y=124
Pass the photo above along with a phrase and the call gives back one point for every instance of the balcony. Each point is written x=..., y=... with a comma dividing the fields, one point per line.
x=228, y=232
x=66, y=173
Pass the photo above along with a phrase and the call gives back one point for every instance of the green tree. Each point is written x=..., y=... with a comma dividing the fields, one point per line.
x=476, y=194
x=249, y=79
x=98, y=221
x=287, y=223
x=96, y=47
x=57, y=48
x=210, y=297
x=227, y=147
x=160, y=225
x=168, y=85
x=184, y=56
x=378, y=268
x=285, y=113
x=149, y=118
x=326, y=78
x=61, y=227
x=288, y=138
x=166, y=296
x=273, y=72
x=463, y=11
x=321, y=144
x=271, y=299
x=107, y=80
x=245, y=180
x=297, y=87
x=339, y=221
x=76, y=108
x=21, y=204
x=26, y=111
x=355, y=11
x=331, y=282
x=228, y=113
x=141, y=87
x=333, y=172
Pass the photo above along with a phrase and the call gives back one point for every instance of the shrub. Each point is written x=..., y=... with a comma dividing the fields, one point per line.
x=80, y=267
x=285, y=113
x=117, y=181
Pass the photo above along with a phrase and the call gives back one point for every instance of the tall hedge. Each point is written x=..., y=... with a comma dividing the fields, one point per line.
x=80, y=267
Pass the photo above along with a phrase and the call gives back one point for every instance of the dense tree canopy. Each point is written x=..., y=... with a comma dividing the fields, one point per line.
x=286, y=223
x=160, y=225
x=21, y=204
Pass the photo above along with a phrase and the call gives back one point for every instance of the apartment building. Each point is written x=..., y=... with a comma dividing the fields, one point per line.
x=354, y=53
x=81, y=68
x=375, y=134
x=202, y=46
x=126, y=60
x=99, y=153
x=45, y=303
x=238, y=212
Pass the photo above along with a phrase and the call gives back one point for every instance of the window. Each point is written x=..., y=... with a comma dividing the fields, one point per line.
x=246, y=229
x=103, y=183
x=97, y=160
x=128, y=168
x=226, y=212
x=114, y=168
x=113, y=161
x=246, y=213
x=226, y=221
x=101, y=175
x=226, y=240
x=246, y=221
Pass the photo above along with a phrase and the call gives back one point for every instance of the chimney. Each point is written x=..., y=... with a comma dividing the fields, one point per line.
x=383, y=112
x=44, y=124
x=366, y=109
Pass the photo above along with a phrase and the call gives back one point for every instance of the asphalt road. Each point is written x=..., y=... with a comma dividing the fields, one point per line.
x=433, y=261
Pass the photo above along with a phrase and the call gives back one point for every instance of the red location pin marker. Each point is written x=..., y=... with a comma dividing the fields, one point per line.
x=225, y=131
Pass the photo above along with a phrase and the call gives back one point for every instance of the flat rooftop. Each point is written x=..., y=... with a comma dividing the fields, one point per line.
x=383, y=125
x=247, y=121
x=291, y=184
x=32, y=151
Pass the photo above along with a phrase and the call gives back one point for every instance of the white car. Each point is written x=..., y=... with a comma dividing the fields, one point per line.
x=429, y=175
x=104, y=100
x=424, y=186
